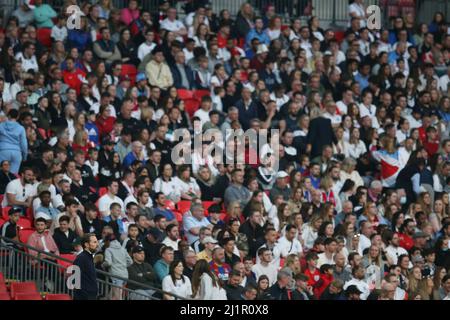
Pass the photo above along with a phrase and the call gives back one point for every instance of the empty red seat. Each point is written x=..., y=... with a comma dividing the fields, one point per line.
x=44, y=36
x=184, y=94
x=3, y=287
x=24, y=234
x=5, y=213
x=4, y=296
x=61, y=296
x=206, y=205
x=339, y=36
x=23, y=287
x=184, y=206
x=24, y=223
x=199, y=94
x=191, y=105
x=64, y=263
x=28, y=296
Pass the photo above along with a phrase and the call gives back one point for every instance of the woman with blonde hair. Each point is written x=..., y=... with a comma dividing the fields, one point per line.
x=326, y=187
x=292, y=262
x=424, y=200
x=81, y=142
x=294, y=203
x=310, y=231
x=348, y=171
x=283, y=216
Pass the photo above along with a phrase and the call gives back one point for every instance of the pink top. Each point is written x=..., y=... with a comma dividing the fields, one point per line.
x=127, y=16
x=37, y=241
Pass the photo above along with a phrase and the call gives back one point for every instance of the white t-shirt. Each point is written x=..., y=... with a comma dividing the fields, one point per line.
x=284, y=247
x=270, y=271
x=59, y=34
x=367, y=111
x=169, y=188
x=144, y=49
x=21, y=192
x=105, y=201
x=360, y=13
x=361, y=285
x=27, y=64
x=393, y=253
x=324, y=260
x=180, y=288
x=173, y=26
x=203, y=115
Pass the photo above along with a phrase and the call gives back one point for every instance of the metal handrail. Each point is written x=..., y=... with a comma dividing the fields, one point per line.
x=105, y=274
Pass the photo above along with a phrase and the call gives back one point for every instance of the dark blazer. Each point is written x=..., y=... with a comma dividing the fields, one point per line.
x=64, y=243
x=245, y=115
x=255, y=236
x=320, y=133
x=176, y=75
x=88, y=287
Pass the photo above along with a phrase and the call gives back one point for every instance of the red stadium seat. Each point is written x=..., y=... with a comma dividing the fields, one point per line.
x=169, y=204
x=2, y=278
x=65, y=263
x=199, y=94
x=131, y=71
x=24, y=234
x=3, y=287
x=191, y=105
x=184, y=94
x=43, y=36
x=5, y=213
x=23, y=287
x=102, y=191
x=206, y=205
x=28, y=296
x=24, y=223
x=58, y=297
x=184, y=206
x=4, y=296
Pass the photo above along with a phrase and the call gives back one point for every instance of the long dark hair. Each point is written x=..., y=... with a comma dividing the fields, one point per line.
x=172, y=267
x=200, y=268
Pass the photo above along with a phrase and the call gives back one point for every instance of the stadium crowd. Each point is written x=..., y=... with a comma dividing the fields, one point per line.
x=358, y=209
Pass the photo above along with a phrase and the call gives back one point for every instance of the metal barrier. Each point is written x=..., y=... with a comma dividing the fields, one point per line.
x=17, y=264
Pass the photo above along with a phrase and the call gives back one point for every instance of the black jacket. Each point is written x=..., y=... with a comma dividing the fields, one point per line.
x=88, y=286
x=234, y=293
x=64, y=243
x=320, y=133
x=142, y=273
x=277, y=293
x=255, y=236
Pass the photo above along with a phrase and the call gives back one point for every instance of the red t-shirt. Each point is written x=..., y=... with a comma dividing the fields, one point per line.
x=405, y=241
x=326, y=280
x=105, y=125
x=73, y=79
x=314, y=277
x=431, y=147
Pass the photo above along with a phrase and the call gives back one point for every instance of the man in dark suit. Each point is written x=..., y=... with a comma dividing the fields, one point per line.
x=182, y=74
x=248, y=109
x=320, y=133
x=154, y=164
x=88, y=289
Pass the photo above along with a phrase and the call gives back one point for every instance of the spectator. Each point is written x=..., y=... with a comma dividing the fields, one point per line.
x=85, y=261
x=162, y=265
x=176, y=283
x=13, y=141
x=205, y=284
x=64, y=236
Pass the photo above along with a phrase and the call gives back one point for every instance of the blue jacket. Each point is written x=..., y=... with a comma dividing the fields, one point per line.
x=88, y=285
x=13, y=137
x=262, y=37
x=79, y=39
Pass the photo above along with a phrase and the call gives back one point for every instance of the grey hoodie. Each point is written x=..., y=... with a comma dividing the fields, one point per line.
x=117, y=259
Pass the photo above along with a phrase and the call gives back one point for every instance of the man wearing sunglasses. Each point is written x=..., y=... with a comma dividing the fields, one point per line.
x=21, y=192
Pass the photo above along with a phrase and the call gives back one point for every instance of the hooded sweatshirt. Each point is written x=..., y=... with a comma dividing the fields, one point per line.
x=117, y=259
x=13, y=137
